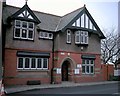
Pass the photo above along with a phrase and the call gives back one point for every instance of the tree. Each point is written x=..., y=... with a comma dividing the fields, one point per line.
x=109, y=47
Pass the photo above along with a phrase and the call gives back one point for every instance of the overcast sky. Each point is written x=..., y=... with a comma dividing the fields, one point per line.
x=104, y=12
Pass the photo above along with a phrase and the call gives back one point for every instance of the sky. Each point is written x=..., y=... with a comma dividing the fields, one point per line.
x=104, y=12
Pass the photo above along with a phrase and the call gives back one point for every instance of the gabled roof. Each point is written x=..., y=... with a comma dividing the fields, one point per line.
x=25, y=13
x=66, y=19
x=50, y=22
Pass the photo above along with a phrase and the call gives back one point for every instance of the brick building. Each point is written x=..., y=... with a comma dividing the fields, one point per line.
x=49, y=48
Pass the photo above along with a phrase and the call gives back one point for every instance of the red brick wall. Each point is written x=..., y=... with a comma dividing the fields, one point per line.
x=107, y=70
x=13, y=76
x=76, y=59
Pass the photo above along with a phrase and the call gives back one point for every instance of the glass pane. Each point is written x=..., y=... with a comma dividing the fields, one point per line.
x=83, y=61
x=41, y=34
x=20, y=63
x=86, y=40
x=92, y=69
x=87, y=69
x=46, y=35
x=92, y=61
x=39, y=63
x=45, y=63
x=50, y=35
x=24, y=24
x=17, y=24
x=17, y=32
x=30, y=34
x=87, y=61
x=33, y=63
x=24, y=33
x=83, y=69
x=31, y=25
x=27, y=61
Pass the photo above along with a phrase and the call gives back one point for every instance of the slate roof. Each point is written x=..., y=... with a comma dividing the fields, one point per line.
x=68, y=18
x=49, y=22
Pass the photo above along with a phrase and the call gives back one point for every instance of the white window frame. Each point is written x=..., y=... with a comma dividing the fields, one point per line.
x=68, y=36
x=35, y=63
x=43, y=63
x=82, y=36
x=21, y=28
x=88, y=65
x=77, y=36
x=30, y=62
x=45, y=35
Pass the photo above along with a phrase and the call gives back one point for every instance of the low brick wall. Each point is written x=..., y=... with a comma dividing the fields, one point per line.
x=107, y=71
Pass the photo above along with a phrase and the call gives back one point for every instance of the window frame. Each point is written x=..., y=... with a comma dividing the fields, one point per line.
x=82, y=36
x=23, y=28
x=88, y=65
x=30, y=63
x=69, y=38
x=45, y=35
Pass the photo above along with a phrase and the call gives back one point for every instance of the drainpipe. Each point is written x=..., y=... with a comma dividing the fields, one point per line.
x=52, y=69
x=1, y=5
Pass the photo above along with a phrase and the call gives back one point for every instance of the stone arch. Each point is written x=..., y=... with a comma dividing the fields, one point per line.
x=67, y=69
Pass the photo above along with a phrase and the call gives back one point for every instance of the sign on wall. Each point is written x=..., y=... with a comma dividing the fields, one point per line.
x=78, y=65
x=77, y=71
x=58, y=70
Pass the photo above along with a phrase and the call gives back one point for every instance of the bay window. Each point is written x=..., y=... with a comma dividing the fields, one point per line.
x=81, y=37
x=23, y=30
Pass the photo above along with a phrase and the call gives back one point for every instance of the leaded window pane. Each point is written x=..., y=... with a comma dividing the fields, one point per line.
x=31, y=25
x=87, y=69
x=20, y=63
x=39, y=63
x=27, y=63
x=83, y=69
x=17, y=32
x=24, y=33
x=45, y=63
x=24, y=24
x=92, y=69
x=30, y=34
x=17, y=24
x=33, y=63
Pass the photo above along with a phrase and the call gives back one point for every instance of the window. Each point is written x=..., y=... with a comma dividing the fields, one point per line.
x=46, y=35
x=87, y=66
x=68, y=36
x=81, y=37
x=32, y=63
x=23, y=30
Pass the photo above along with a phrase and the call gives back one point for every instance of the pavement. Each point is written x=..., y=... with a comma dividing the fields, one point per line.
x=21, y=88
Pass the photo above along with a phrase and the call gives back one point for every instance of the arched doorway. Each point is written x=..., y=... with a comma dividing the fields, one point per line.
x=65, y=70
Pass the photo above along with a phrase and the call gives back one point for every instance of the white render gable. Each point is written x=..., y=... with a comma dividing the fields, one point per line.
x=84, y=22
x=25, y=14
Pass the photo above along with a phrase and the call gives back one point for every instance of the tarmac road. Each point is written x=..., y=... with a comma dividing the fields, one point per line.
x=103, y=89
